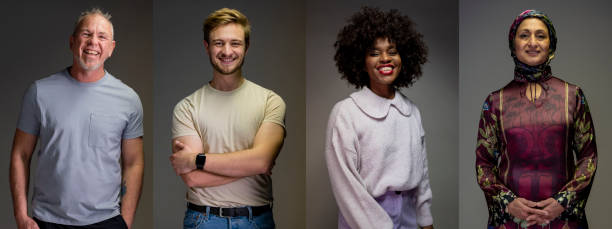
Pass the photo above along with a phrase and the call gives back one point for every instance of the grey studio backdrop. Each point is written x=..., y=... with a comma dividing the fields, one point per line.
x=275, y=60
x=435, y=94
x=35, y=45
x=582, y=58
x=160, y=54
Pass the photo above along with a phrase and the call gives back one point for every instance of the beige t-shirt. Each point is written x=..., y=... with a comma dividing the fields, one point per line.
x=227, y=121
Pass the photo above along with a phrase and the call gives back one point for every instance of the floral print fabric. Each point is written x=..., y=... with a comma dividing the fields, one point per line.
x=536, y=150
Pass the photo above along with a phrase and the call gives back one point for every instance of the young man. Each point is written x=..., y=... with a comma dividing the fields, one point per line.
x=227, y=134
x=89, y=124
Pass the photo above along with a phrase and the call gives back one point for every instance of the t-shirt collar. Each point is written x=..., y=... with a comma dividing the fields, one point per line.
x=378, y=107
x=236, y=90
x=87, y=84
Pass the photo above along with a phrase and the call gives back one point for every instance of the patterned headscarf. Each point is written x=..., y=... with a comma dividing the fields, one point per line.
x=524, y=72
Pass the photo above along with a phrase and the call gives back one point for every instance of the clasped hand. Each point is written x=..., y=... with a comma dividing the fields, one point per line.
x=541, y=213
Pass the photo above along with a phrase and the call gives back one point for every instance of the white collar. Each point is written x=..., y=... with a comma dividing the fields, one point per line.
x=378, y=107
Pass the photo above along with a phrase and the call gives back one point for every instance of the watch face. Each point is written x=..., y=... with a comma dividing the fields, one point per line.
x=200, y=160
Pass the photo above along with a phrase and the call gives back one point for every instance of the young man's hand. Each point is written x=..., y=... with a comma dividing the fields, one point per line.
x=183, y=160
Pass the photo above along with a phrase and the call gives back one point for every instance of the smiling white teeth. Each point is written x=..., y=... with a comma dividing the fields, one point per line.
x=385, y=69
x=91, y=52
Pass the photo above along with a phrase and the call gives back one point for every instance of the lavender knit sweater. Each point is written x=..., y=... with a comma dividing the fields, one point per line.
x=375, y=148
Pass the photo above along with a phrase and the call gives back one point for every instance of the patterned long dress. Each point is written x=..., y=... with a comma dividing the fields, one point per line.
x=536, y=148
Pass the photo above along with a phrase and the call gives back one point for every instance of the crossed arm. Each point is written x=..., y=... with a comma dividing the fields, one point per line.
x=197, y=178
x=226, y=167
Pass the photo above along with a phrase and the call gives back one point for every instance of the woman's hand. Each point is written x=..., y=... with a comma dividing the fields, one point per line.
x=552, y=207
x=526, y=210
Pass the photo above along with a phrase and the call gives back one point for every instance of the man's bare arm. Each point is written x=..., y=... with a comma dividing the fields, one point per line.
x=197, y=178
x=259, y=159
x=133, y=170
x=21, y=155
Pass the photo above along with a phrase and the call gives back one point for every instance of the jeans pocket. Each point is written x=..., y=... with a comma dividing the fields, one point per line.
x=192, y=219
x=263, y=221
x=254, y=225
x=124, y=224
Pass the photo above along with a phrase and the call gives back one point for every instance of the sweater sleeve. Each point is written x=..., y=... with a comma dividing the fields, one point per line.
x=424, y=194
x=358, y=207
x=488, y=149
x=574, y=194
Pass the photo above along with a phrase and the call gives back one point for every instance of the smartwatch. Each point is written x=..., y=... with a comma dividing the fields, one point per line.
x=200, y=161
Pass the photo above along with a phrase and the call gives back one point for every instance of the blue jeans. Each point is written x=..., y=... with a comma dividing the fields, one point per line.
x=198, y=220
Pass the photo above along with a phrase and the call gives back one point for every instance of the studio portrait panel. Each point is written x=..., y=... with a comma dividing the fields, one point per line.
x=38, y=44
x=272, y=59
x=508, y=80
x=434, y=93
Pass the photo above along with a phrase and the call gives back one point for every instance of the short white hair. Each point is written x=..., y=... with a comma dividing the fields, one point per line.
x=93, y=11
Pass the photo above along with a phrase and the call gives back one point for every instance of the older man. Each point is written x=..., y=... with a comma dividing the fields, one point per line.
x=89, y=125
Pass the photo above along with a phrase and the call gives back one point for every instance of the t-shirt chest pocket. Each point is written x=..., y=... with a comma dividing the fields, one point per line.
x=105, y=130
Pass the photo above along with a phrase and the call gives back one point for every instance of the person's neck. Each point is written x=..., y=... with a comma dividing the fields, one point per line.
x=384, y=91
x=229, y=82
x=85, y=76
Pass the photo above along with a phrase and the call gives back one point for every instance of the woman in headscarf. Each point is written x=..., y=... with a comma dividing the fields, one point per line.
x=375, y=148
x=536, y=155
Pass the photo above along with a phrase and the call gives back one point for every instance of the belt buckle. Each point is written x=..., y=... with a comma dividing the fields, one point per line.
x=221, y=213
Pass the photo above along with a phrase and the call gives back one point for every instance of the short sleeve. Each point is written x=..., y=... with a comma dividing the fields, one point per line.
x=275, y=109
x=183, y=122
x=29, y=118
x=134, y=127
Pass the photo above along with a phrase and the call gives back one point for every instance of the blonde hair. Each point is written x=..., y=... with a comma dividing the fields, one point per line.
x=223, y=17
x=93, y=11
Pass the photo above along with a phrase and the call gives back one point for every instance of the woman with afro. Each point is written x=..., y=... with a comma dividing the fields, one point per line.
x=375, y=148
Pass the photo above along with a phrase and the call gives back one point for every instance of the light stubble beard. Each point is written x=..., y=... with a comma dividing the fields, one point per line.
x=84, y=66
x=219, y=69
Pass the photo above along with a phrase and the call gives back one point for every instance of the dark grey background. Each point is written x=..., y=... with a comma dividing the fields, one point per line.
x=35, y=45
x=292, y=41
x=582, y=58
x=435, y=94
x=275, y=60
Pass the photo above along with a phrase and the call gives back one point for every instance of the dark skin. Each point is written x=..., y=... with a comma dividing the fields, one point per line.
x=384, y=53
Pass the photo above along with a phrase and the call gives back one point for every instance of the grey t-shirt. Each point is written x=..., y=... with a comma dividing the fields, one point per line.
x=80, y=128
